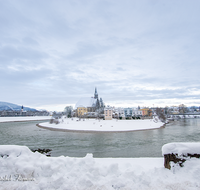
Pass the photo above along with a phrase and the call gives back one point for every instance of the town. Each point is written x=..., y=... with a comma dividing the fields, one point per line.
x=94, y=107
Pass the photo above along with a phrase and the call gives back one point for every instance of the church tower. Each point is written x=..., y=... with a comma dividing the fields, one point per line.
x=96, y=97
x=101, y=103
x=95, y=94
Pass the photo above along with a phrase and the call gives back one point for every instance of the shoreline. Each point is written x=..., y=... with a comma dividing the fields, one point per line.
x=95, y=131
x=22, y=121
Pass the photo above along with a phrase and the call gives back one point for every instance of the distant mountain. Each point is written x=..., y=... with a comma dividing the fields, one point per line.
x=9, y=106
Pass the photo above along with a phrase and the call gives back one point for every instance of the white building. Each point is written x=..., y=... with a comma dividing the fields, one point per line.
x=118, y=112
x=121, y=112
x=136, y=112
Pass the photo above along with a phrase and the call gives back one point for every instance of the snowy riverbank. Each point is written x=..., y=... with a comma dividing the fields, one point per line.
x=23, y=169
x=95, y=125
x=24, y=118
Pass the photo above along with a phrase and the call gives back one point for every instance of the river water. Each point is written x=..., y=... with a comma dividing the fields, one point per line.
x=146, y=143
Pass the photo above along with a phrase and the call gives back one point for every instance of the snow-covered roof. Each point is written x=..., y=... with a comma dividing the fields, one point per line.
x=108, y=108
x=86, y=102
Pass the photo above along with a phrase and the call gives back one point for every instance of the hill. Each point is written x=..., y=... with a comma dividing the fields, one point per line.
x=14, y=107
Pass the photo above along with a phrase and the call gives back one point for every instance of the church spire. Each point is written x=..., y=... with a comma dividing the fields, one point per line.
x=95, y=94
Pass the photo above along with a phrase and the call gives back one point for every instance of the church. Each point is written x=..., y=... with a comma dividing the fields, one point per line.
x=89, y=104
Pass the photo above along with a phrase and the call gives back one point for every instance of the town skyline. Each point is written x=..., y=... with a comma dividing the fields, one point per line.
x=8, y=106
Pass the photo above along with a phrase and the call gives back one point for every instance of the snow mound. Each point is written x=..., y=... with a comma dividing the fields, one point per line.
x=181, y=148
x=27, y=170
x=14, y=150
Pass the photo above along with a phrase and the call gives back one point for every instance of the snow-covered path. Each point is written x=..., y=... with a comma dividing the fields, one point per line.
x=88, y=173
x=28, y=118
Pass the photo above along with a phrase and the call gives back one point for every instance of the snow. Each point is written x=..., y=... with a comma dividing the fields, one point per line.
x=13, y=150
x=103, y=125
x=86, y=102
x=186, y=116
x=181, y=148
x=28, y=118
x=23, y=169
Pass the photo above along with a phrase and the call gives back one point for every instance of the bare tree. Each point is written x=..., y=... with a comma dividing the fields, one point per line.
x=182, y=108
x=160, y=114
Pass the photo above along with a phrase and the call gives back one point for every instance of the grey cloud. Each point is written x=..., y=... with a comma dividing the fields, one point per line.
x=23, y=78
x=146, y=95
x=21, y=58
x=22, y=53
x=59, y=51
x=28, y=41
x=85, y=50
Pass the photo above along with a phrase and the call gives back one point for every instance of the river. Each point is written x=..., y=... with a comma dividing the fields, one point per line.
x=146, y=143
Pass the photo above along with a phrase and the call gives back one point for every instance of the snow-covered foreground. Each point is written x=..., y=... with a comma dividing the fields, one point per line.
x=103, y=125
x=28, y=118
x=23, y=169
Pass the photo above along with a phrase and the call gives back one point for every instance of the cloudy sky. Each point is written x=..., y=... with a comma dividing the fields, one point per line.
x=146, y=52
